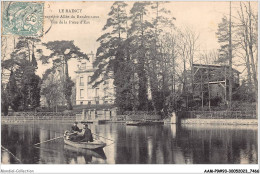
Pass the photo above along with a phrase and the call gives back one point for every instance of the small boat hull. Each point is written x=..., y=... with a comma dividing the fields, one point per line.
x=85, y=145
x=97, y=153
x=143, y=123
x=96, y=144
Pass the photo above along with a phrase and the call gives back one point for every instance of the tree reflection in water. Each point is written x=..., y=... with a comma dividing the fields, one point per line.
x=158, y=144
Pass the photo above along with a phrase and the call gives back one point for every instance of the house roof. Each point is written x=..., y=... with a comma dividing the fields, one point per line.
x=215, y=66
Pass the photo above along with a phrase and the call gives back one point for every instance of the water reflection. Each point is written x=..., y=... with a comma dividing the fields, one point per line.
x=5, y=157
x=220, y=144
x=159, y=144
x=82, y=156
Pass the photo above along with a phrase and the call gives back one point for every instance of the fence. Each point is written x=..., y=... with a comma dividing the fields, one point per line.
x=42, y=114
x=36, y=116
x=108, y=114
x=218, y=114
x=93, y=114
x=141, y=115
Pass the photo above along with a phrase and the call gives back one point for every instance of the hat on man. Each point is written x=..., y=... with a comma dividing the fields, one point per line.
x=75, y=122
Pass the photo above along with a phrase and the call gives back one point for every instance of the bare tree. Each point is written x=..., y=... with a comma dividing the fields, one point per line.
x=247, y=31
x=187, y=46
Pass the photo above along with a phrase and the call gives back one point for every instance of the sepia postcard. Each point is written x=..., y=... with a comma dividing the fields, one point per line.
x=129, y=82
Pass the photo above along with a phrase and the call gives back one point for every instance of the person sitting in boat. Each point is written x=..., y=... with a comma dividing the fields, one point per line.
x=75, y=128
x=74, y=131
x=87, y=135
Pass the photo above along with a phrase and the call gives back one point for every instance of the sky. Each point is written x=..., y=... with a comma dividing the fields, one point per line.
x=202, y=17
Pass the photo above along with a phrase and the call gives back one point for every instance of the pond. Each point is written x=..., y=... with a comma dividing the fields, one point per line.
x=157, y=144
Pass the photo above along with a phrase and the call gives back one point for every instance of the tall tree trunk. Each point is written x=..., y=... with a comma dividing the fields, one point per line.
x=29, y=51
x=250, y=43
x=201, y=90
x=248, y=67
x=245, y=40
x=153, y=86
x=191, y=64
x=132, y=74
x=209, y=95
x=153, y=71
x=142, y=92
x=230, y=62
x=173, y=72
x=185, y=82
x=67, y=81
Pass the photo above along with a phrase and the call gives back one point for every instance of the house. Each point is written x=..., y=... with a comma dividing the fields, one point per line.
x=212, y=81
x=86, y=94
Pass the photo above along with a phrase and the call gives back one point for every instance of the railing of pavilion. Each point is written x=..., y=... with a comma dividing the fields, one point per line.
x=218, y=114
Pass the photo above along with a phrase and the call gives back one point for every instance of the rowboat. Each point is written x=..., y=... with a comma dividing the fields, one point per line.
x=142, y=123
x=133, y=123
x=97, y=153
x=96, y=144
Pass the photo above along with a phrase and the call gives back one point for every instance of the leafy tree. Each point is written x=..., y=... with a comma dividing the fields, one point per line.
x=62, y=52
x=223, y=37
x=247, y=34
x=26, y=45
x=52, y=90
x=29, y=85
x=35, y=89
x=244, y=93
x=113, y=56
x=13, y=94
x=161, y=54
x=23, y=88
x=241, y=44
x=34, y=62
x=139, y=33
x=67, y=90
x=4, y=102
x=134, y=55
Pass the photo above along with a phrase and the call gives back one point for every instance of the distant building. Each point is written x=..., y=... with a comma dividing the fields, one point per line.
x=103, y=93
x=213, y=80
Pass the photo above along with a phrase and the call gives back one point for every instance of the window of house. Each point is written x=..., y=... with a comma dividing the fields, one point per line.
x=106, y=82
x=89, y=79
x=89, y=85
x=97, y=92
x=83, y=65
x=81, y=93
x=81, y=103
x=97, y=102
x=89, y=102
x=105, y=92
x=81, y=82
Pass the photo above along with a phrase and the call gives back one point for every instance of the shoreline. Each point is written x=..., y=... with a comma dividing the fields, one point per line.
x=199, y=121
x=187, y=121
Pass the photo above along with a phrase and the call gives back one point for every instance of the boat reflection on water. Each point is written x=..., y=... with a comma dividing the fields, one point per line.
x=155, y=144
x=82, y=156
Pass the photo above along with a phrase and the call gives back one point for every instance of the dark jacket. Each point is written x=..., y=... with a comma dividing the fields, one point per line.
x=75, y=128
x=87, y=136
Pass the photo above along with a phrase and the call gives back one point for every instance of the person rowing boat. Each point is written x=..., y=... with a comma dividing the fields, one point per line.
x=83, y=139
x=75, y=128
x=82, y=136
x=87, y=135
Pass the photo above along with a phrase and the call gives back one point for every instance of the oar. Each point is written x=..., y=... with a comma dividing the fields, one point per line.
x=103, y=137
x=53, y=139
